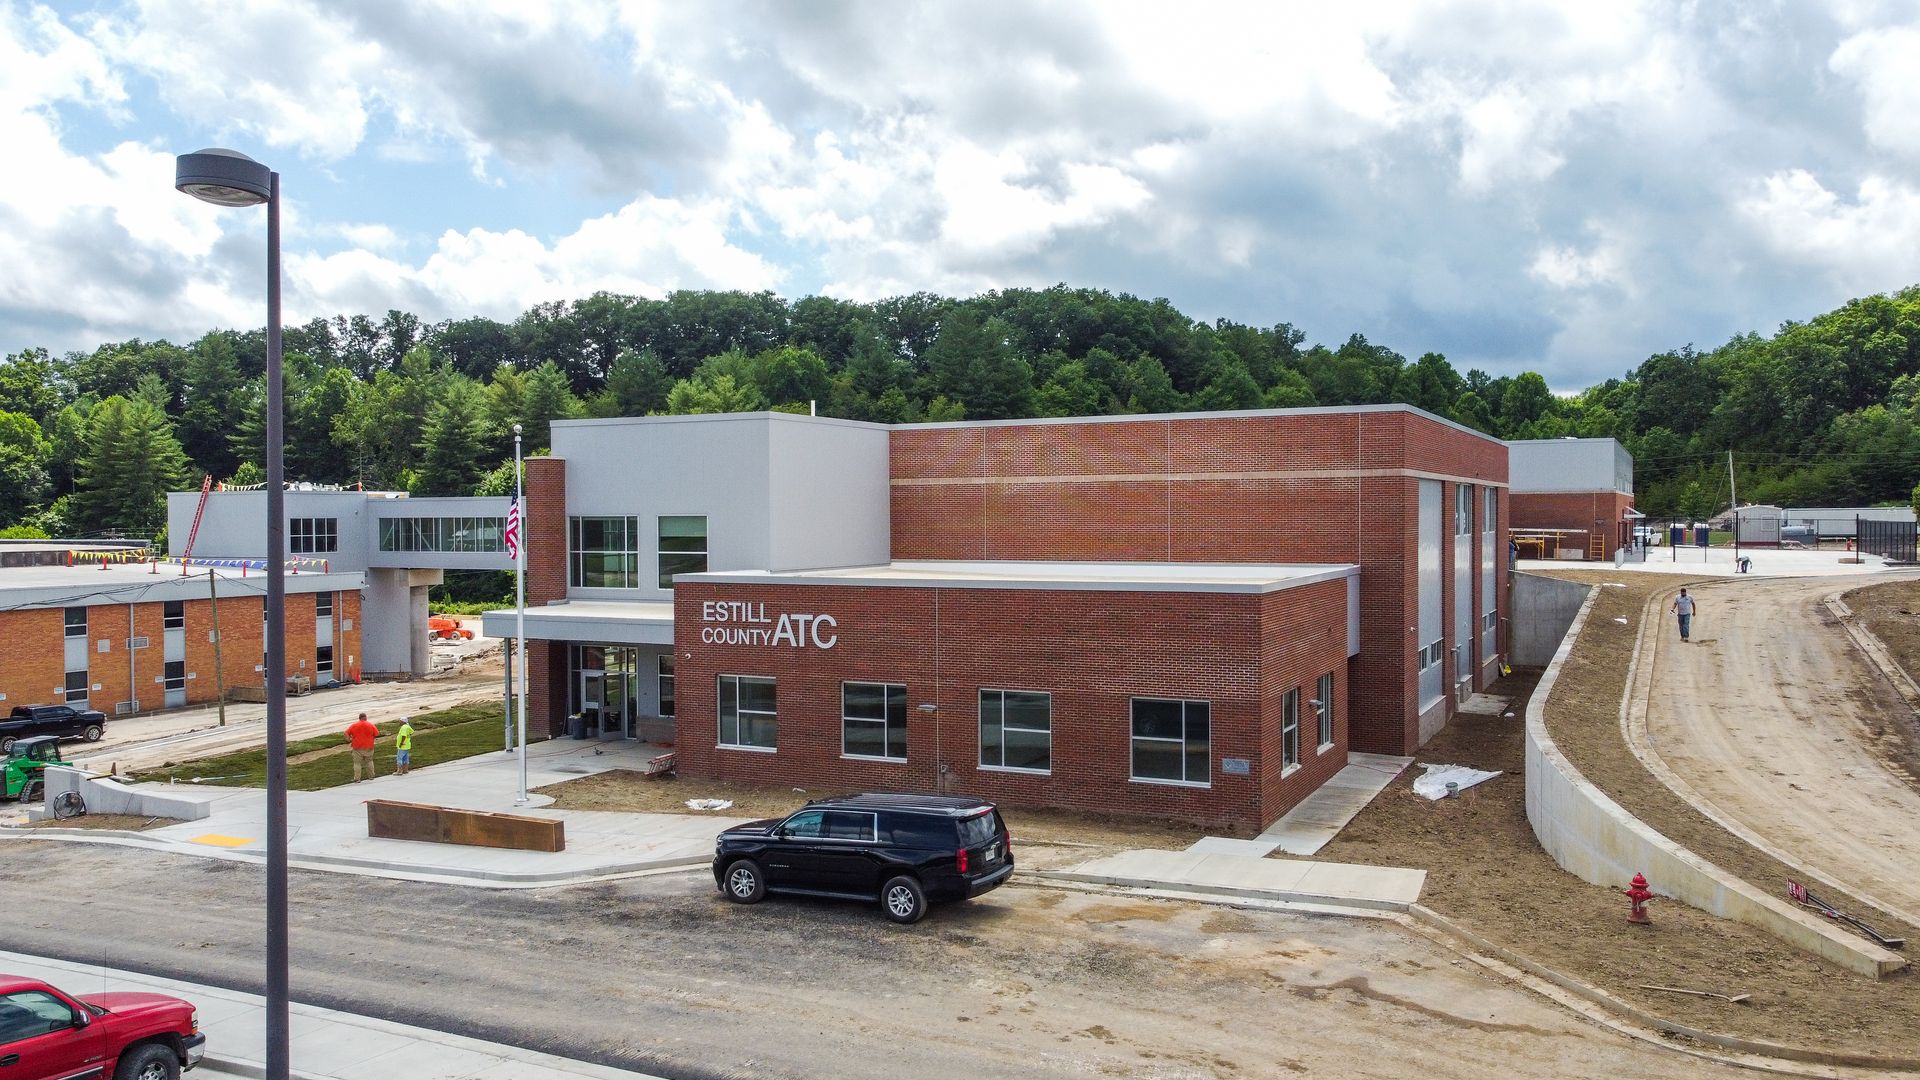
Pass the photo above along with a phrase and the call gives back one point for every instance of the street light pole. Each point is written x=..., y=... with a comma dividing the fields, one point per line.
x=228, y=178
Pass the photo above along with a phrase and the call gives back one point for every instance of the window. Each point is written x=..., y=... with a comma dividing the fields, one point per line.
x=747, y=719
x=484, y=535
x=873, y=720
x=1323, y=701
x=1290, y=730
x=76, y=622
x=173, y=614
x=848, y=825
x=310, y=536
x=1016, y=730
x=1462, y=509
x=605, y=552
x=322, y=660
x=683, y=547
x=176, y=675
x=1431, y=655
x=322, y=605
x=1172, y=741
x=1487, y=620
x=1491, y=511
x=666, y=684
x=76, y=686
x=806, y=823
x=27, y=1014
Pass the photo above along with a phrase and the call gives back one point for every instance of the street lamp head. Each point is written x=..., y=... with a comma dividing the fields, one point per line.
x=223, y=177
x=516, y=429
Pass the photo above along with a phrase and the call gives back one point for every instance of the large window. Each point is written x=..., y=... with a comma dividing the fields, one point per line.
x=683, y=547
x=457, y=534
x=666, y=684
x=173, y=614
x=1290, y=730
x=1172, y=741
x=1462, y=509
x=76, y=687
x=605, y=552
x=1323, y=701
x=323, y=662
x=1016, y=730
x=322, y=605
x=747, y=718
x=76, y=622
x=175, y=675
x=312, y=536
x=873, y=720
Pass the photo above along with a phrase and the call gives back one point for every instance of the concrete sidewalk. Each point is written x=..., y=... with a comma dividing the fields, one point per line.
x=1718, y=562
x=1325, y=885
x=328, y=829
x=326, y=1045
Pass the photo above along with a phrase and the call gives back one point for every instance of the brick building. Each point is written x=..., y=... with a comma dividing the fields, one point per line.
x=1572, y=498
x=1194, y=614
x=127, y=637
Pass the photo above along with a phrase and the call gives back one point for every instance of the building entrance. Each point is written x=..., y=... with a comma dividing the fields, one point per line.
x=614, y=688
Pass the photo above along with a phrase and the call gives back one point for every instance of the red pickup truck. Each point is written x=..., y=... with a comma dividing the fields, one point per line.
x=49, y=1035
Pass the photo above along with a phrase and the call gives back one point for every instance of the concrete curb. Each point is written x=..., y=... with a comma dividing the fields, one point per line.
x=1876, y=651
x=1650, y=1023
x=1633, y=729
x=1318, y=901
x=1598, y=841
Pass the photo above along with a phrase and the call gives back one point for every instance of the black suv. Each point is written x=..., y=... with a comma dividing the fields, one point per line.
x=904, y=850
x=64, y=721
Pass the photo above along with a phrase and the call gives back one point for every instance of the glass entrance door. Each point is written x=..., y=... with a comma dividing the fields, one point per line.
x=593, y=699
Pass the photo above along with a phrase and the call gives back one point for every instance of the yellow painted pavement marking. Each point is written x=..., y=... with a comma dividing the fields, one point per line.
x=216, y=840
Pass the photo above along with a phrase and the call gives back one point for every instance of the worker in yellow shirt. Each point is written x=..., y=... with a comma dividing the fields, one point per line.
x=403, y=748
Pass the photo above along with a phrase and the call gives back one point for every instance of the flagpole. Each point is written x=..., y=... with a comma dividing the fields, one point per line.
x=520, y=606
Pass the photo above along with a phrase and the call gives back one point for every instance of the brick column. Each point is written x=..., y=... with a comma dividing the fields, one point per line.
x=546, y=529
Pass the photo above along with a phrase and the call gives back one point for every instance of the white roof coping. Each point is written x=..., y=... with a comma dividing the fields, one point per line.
x=1071, y=576
x=142, y=583
x=642, y=610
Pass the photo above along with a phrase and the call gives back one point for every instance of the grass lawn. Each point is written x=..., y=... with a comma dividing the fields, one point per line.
x=323, y=761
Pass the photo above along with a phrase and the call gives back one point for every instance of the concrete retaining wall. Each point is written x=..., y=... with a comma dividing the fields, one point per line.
x=1595, y=839
x=112, y=797
x=1543, y=609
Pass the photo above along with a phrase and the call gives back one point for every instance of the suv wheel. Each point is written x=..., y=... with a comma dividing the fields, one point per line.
x=153, y=1061
x=93, y=733
x=903, y=900
x=6, y=743
x=746, y=882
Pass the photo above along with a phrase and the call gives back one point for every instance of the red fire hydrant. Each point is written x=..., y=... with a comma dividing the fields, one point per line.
x=1639, y=894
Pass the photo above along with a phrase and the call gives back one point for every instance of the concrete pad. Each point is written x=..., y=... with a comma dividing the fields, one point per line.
x=1224, y=845
x=1311, y=825
x=1485, y=705
x=1336, y=885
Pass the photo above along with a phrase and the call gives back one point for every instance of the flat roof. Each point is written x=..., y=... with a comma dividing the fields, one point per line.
x=611, y=622
x=141, y=583
x=1070, y=576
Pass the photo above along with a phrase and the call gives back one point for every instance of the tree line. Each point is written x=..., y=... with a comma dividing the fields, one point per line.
x=1822, y=412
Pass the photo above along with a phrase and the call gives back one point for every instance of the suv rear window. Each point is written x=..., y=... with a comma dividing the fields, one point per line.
x=979, y=829
x=919, y=831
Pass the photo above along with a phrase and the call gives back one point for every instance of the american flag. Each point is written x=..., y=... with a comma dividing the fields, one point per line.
x=512, y=536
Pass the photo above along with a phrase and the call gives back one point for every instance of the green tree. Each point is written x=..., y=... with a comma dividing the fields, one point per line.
x=1070, y=391
x=638, y=384
x=131, y=461
x=453, y=444
x=1225, y=383
x=793, y=375
x=30, y=384
x=720, y=394
x=213, y=384
x=24, y=451
x=549, y=398
x=1150, y=389
x=1471, y=409
x=1527, y=400
x=1290, y=390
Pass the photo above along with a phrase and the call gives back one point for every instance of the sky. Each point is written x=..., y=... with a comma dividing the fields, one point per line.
x=1565, y=188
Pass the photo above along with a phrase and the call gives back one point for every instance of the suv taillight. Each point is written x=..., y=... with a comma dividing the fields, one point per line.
x=963, y=860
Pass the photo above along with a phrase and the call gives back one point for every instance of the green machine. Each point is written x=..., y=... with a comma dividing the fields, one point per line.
x=20, y=774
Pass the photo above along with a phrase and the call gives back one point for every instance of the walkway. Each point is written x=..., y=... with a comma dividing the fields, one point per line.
x=1777, y=725
x=1343, y=886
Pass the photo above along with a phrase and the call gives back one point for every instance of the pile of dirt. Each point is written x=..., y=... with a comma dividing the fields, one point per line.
x=1487, y=870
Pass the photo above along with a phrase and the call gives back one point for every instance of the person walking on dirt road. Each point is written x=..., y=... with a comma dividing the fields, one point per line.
x=360, y=735
x=1683, y=606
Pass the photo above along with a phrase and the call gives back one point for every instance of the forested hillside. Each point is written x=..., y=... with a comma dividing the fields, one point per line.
x=1819, y=413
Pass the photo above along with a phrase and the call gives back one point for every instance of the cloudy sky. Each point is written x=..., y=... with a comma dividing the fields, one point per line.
x=1566, y=188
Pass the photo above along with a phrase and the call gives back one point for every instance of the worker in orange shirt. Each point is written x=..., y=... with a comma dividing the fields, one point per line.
x=360, y=734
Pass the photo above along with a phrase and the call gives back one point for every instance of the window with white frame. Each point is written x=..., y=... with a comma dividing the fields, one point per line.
x=666, y=684
x=1172, y=740
x=873, y=720
x=313, y=536
x=323, y=605
x=604, y=552
x=76, y=622
x=175, y=675
x=1016, y=730
x=747, y=714
x=173, y=614
x=1432, y=654
x=1462, y=509
x=1490, y=512
x=683, y=547
x=76, y=689
x=1323, y=701
x=322, y=661
x=1290, y=729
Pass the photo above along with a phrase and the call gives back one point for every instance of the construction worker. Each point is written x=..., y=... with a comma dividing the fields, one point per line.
x=360, y=735
x=403, y=747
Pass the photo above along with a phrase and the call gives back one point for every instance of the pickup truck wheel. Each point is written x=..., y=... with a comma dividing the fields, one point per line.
x=93, y=733
x=149, y=1061
x=903, y=900
x=6, y=743
x=746, y=882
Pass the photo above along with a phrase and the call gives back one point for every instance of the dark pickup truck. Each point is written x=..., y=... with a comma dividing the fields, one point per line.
x=61, y=721
x=46, y=1034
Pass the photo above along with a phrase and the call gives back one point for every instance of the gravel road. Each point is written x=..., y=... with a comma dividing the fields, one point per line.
x=660, y=974
x=1774, y=718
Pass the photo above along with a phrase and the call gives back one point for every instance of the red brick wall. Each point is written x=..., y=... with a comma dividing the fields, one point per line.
x=33, y=666
x=545, y=529
x=1289, y=487
x=1586, y=511
x=1092, y=651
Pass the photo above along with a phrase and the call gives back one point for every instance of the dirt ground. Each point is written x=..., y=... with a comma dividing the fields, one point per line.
x=1797, y=999
x=1892, y=612
x=1043, y=839
x=124, y=822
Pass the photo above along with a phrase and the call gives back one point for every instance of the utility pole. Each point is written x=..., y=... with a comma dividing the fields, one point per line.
x=1734, y=494
x=219, y=672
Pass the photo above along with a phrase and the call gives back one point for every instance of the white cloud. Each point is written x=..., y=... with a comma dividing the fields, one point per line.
x=1867, y=243
x=1882, y=64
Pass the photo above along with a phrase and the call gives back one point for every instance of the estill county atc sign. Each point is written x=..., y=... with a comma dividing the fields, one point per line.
x=743, y=622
